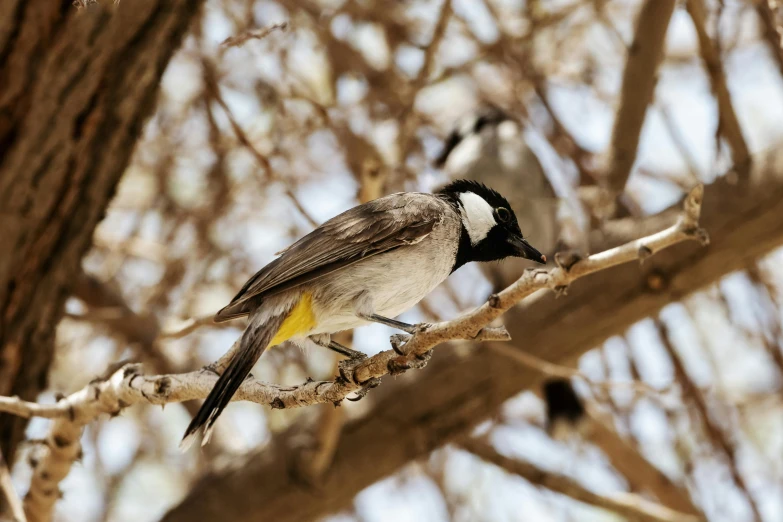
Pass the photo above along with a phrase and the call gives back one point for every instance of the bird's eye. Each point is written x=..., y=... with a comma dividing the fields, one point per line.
x=503, y=215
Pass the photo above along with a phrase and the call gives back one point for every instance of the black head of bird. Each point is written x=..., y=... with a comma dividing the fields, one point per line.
x=490, y=231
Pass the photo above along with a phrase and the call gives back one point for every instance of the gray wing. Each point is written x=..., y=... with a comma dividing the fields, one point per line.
x=361, y=232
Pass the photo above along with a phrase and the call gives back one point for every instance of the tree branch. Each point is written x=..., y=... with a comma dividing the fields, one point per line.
x=11, y=498
x=773, y=33
x=127, y=386
x=693, y=395
x=565, y=372
x=636, y=94
x=213, y=90
x=190, y=325
x=628, y=505
x=728, y=124
x=567, y=413
x=255, y=34
x=639, y=472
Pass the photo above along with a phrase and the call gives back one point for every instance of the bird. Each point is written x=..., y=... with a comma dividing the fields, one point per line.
x=488, y=145
x=566, y=416
x=367, y=265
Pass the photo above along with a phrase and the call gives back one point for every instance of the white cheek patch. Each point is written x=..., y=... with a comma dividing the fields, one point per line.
x=477, y=216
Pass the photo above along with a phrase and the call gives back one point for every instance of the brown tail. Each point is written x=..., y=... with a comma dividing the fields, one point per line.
x=254, y=342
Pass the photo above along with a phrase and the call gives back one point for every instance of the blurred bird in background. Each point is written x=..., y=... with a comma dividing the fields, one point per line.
x=566, y=416
x=488, y=145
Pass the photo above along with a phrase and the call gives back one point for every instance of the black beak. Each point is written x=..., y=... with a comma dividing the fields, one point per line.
x=526, y=250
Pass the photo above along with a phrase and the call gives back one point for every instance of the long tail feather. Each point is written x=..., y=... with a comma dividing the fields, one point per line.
x=254, y=342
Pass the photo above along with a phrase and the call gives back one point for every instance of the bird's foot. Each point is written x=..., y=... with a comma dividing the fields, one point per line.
x=362, y=392
x=401, y=365
x=346, y=367
x=418, y=328
x=398, y=341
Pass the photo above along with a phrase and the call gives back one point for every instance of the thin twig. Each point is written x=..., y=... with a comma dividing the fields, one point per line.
x=679, y=142
x=773, y=32
x=728, y=124
x=564, y=372
x=692, y=394
x=256, y=34
x=214, y=91
x=7, y=488
x=639, y=80
x=628, y=505
x=407, y=134
x=190, y=325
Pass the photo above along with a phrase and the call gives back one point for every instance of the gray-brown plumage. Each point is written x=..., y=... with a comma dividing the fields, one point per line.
x=359, y=233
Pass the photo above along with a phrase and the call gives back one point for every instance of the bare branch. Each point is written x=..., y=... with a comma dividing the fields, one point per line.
x=210, y=78
x=257, y=34
x=405, y=139
x=7, y=489
x=565, y=372
x=728, y=124
x=694, y=396
x=108, y=307
x=772, y=30
x=62, y=450
x=626, y=504
x=190, y=325
x=639, y=472
x=639, y=79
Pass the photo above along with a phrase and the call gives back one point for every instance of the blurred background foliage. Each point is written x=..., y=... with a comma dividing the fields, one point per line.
x=315, y=105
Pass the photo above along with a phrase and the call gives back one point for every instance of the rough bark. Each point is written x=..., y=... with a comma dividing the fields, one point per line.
x=455, y=392
x=76, y=86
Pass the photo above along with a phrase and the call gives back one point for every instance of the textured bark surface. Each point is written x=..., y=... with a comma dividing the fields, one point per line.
x=454, y=392
x=76, y=86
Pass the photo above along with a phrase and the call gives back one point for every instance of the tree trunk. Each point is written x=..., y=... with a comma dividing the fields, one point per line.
x=76, y=86
x=456, y=392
